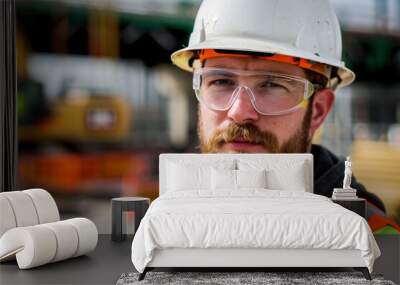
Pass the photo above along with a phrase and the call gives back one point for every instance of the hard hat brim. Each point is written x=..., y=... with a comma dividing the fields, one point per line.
x=182, y=57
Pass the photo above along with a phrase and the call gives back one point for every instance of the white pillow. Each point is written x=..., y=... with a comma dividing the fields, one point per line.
x=251, y=178
x=183, y=178
x=236, y=179
x=289, y=175
x=294, y=180
x=193, y=175
x=223, y=179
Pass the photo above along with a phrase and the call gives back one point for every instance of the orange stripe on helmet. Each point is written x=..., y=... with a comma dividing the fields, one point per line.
x=317, y=67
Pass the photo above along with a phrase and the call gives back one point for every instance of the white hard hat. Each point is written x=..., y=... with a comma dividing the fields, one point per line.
x=306, y=29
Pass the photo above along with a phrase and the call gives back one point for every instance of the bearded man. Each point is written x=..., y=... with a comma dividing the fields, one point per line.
x=265, y=74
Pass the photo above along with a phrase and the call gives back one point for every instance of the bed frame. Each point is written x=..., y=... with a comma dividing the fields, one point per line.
x=250, y=259
x=261, y=259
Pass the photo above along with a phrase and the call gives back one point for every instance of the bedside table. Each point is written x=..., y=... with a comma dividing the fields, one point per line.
x=356, y=205
x=138, y=205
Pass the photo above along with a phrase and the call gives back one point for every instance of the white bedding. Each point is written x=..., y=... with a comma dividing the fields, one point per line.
x=251, y=218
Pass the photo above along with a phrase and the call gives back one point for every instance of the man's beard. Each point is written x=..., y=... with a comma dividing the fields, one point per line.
x=297, y=143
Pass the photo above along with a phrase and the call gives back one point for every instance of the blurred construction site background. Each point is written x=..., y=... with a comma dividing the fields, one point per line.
x=99, y=100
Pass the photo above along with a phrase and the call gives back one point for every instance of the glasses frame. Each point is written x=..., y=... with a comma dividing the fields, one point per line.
x=309, y=90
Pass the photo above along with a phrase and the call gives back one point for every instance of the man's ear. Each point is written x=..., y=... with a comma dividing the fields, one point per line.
x=321, y=106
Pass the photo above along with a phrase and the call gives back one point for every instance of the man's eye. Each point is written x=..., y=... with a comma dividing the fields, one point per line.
x=221, y=82
x=271, y=84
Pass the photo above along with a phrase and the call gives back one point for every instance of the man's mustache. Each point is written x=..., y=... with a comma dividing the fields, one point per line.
x=243, y=132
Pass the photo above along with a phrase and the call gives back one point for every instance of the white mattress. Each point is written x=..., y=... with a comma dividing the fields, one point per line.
x=253, y=218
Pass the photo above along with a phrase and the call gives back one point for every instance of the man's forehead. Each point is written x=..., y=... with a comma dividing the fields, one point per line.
x=253, y=63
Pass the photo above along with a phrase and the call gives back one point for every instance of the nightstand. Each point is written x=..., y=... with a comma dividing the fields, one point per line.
x=356, y=205
x=138, y=205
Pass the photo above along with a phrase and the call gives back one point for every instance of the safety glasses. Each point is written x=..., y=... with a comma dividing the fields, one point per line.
x=269, y=93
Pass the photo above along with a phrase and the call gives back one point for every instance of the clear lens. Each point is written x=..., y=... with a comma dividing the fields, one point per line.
x=271, y=93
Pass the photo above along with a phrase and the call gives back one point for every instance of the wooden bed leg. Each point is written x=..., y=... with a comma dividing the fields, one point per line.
x=142, y=275
x=364, y=271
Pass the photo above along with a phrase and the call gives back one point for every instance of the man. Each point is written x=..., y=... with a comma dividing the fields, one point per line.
x=265, y=72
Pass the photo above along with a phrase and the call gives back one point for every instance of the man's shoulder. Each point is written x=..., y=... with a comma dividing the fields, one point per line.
x=321, y=153
x=325, y=161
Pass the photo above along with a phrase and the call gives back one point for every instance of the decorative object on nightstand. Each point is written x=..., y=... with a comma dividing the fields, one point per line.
x=345, y=193
x=138, y=205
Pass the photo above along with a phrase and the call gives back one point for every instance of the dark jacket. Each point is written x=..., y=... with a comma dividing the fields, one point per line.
x=329, y=174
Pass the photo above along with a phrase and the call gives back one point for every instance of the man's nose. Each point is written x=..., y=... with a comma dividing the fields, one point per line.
x=242, y=110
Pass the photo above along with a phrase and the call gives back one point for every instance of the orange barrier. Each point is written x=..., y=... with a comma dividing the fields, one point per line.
x=124, y=172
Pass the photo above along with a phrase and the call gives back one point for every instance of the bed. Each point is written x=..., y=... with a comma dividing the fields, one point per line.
x=247, y=211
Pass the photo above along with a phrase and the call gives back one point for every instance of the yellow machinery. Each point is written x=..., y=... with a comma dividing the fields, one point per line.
x=377, y=165
x=83, y=118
